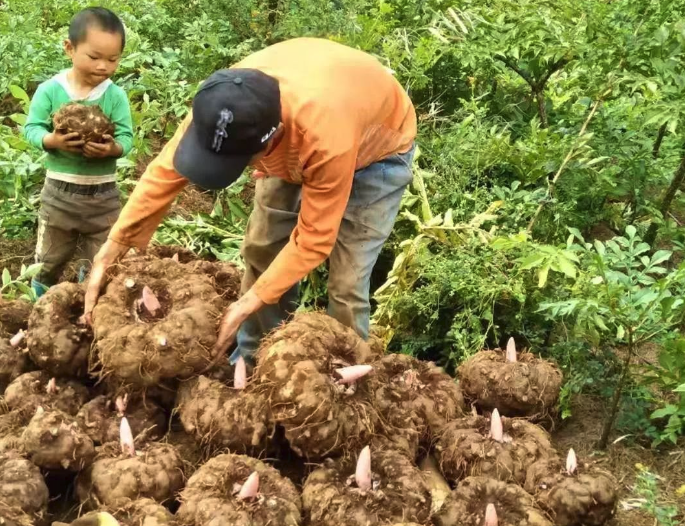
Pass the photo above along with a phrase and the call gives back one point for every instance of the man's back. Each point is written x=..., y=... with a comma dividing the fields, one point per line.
x=338, y=94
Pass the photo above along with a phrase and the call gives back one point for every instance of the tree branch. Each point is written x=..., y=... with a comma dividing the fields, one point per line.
x=676, y=182
x=569, y=156
x=525, y=76
x=659, y=140
x=551, y=71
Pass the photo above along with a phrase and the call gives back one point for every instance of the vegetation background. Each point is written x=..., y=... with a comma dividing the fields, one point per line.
x=546, y=203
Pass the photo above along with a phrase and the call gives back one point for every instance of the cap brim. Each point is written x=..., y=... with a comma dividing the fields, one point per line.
x=205, y=168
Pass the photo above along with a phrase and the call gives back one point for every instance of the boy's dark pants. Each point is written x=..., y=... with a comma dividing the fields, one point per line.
x=71, y=215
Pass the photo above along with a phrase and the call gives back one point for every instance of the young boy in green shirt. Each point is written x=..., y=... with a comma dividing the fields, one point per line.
x=80, y=200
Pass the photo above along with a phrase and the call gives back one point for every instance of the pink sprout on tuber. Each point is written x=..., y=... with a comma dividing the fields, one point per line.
x=251, y=487
x=175, y=257
x=349, y=375
x=511, y=351
x=362, y=474
x=240, y=374
x=150, y=301
x=121, y=403
x=126, y=438
x=490, y=515
x=52, y=386
x=17, y=338
x=571, y=462
x=496, y=429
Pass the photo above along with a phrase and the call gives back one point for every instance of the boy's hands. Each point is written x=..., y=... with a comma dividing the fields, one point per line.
x=109, y=148
x=67, y=142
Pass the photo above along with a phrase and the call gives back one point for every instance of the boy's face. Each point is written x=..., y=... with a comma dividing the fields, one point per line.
x=97, y=57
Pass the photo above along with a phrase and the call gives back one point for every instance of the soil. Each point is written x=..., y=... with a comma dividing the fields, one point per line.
x=528, y=387
x=467, y=503
x=296, y=373
x=210, y=499
x=176, y=343
x=58, y=342
x=331, y=497
x=222, y=417
x=192, y=201
x=465, y=449
x=16, y=252
x=114, y=479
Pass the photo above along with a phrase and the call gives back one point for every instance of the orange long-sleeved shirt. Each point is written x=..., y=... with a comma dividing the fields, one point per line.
x=341, y=111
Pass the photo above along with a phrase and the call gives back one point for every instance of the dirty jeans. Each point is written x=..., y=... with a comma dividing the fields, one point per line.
x=368, y=220
x=71, y=215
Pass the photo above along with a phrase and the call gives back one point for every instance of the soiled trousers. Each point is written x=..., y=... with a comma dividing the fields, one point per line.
x=368, y=220
x=71, y=215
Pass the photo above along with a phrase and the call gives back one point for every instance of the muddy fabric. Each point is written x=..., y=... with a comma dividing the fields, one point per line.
x=368, y=220
x=72, y=215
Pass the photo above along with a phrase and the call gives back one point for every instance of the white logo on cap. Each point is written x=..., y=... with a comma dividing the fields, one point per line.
x=268, y=135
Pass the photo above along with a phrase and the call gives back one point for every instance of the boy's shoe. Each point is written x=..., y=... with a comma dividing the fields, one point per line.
x=38, y=288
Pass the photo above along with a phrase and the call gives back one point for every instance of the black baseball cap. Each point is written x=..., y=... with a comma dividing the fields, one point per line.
x=235, y=113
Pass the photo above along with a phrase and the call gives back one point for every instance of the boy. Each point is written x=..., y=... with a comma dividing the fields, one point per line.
x=80, y=200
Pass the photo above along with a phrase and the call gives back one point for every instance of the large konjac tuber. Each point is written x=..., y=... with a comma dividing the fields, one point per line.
x=487, y=502
x=573, y=494
x=241, y=491
x=501, y=448
x=54, y=440
x=517, y=385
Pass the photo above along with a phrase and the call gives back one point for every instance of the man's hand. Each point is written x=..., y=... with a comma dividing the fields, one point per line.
x=235, y=315
x=110, y=252
x=67, y=142
x=108, y=148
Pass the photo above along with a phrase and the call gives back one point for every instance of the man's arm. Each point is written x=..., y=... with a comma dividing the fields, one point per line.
x=152, y=197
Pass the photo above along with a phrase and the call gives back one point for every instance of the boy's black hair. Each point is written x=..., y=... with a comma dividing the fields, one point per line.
x=100, y=17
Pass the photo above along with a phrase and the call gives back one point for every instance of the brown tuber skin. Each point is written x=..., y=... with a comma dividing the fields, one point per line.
x=587, y=497
x=29, y=391
x=13, y=363
x=100, y=420
x=466, y=505
x=466, y=449
x=89, y=121
x=114, y=479
x=22, y=487
x=175, y=343
x=211, y=495
x=14, y=316
x=57, y=341
x=399, y=492
x=221, y=417
x=54, y=440
x=528, y=387
x=415, y=398
x=297, y=373
x=143, y=512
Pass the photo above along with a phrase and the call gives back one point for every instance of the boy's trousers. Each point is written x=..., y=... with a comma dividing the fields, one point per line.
x=72, y=215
